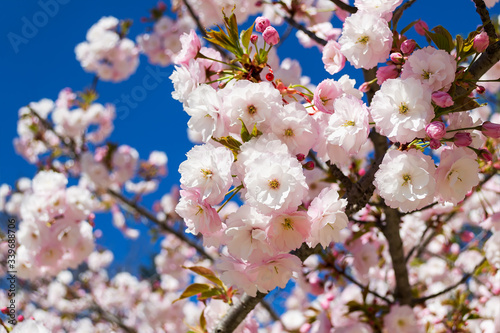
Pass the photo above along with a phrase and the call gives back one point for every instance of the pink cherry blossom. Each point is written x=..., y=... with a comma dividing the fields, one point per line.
x=333, y=59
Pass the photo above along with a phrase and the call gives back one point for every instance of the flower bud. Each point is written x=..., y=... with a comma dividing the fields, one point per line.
x=253, y=39
x=436, y=130
x=481, y=42
x=462, y=139
x=491, y=130
x=271, y=36
x=365, y=87
x=408, y=46
x=309, y=165
x=269, y=76
x=442, y=99
x=261, y=23
x=396, y=58
x=387, y=72
x=301, y=157
x=434, y=144
x=4, y=310
x=20, y=318
x=485, y=155
x=420, y=27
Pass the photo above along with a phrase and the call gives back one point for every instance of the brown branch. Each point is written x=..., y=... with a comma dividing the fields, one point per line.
x=202, y=30
x=390, y=229
x=359, y=284
x=399, y=12
x=342, y=5
x=238, y=312
x=302, y=28
x=337, y=173
x=464, y=279
x=485, y=18
x=161, y=224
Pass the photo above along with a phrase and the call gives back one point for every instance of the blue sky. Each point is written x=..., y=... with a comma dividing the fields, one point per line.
x=37, y=63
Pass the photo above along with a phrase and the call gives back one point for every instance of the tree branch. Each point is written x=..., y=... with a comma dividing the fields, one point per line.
x=302, y=28
x=391, y=232
x=359, y=284
x=342, y=5
x=163, y=226
x=202, y=30
x=485, y=18
x=238, y=312
x=464, y=279
x=399, y=12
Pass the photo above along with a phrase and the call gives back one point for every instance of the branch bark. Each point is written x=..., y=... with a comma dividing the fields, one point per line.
x=344, y=6
x=391, y=232
x=485, y=18
x=302, y=28
x=161, y=224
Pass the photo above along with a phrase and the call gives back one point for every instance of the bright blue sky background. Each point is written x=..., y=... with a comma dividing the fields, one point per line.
x=46, y=63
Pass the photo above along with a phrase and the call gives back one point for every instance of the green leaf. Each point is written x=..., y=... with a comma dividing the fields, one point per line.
x=207, y=274
x=210, y=293
x=245, y=37
x=192, y=290
x=441, y=38
x=203, y=321
x=229, y=142
x=255, y=131
x=408, y=27
x=245, y=135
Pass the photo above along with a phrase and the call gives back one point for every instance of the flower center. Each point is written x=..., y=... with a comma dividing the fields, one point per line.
x=363, y=39
x=426, y=75
x=274, y=184
x=288, y=132
x=349, y=123
x=252, y=109
x=406, y=178
x=403, y=108
x=287, y=224
x=206, y=173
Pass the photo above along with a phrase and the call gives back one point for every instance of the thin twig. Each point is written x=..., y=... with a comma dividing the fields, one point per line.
x=399, y=12
x=202, y=30
x=337, y=173
x=450, y=288
x=163, y=226
x=344, y=6
x=485, y=18
x=359, y=284
x=302, y=28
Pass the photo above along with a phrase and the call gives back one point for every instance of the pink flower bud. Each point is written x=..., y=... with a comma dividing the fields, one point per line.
x=261, y=23
x=301, y=157
x=4, y=310
x=480, y=89
x=20, y=318
x=365, y=87
x=462, y=139
x=436, y=130
x=396, y=58
x=253, y=39
x=309, y=165
x=491, y=130
x=271, y=36
x=481, y=42
x=387, y=72
x=434, y=144
x=442, y=99
x=485, y=154
x=420, y=27
x=161, y=6
x=408, y=46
